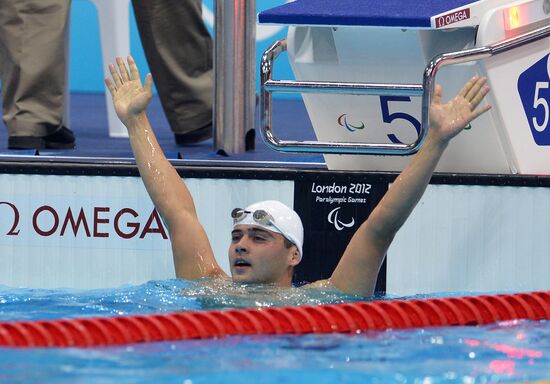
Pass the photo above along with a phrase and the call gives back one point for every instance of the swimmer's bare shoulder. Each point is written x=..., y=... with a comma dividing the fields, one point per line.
x=319, y=284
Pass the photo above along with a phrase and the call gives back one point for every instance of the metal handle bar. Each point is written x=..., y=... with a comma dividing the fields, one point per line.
x=269, y=86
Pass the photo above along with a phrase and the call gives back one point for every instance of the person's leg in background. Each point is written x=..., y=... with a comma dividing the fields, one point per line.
x=32, y=68
x=178, y=49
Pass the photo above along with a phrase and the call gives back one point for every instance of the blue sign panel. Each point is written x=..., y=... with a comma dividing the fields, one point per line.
x=534, y=90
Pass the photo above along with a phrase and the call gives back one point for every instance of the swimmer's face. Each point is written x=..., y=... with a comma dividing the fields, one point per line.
x=257, y=255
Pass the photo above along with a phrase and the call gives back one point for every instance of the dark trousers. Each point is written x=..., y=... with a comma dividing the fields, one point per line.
x=178, y=49
x=33, y=65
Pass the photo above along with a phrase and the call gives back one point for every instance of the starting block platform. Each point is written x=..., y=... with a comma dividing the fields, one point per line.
x=392, y=13
x=390, y=53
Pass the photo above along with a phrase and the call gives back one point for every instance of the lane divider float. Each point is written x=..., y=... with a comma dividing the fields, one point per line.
x=330, y=318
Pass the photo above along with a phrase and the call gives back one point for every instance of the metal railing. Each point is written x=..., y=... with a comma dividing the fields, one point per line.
x=425, y=90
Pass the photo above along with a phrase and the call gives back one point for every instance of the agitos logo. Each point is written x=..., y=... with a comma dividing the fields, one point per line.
x=343, y=122
x=48, y=221
x=339, y=224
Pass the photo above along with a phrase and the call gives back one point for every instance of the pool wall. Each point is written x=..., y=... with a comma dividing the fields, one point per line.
x=84, y=230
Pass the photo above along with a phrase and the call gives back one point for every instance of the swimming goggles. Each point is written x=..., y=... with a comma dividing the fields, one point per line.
x=261, y=217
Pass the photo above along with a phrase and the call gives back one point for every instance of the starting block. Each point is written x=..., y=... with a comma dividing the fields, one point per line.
x=367, y=69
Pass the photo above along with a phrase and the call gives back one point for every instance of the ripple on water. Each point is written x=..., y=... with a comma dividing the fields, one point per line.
x=161, y=296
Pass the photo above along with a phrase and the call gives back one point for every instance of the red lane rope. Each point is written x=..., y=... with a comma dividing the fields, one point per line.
x=329, y=318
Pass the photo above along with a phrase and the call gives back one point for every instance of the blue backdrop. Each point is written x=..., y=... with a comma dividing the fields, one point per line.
x=86, y=68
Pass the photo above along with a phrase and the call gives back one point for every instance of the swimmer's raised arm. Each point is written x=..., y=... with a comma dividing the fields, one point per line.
x=358, y=269
x=193, y=256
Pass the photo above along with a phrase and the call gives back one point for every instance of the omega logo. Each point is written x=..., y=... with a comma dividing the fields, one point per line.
x=48, y=221
x=453, y=17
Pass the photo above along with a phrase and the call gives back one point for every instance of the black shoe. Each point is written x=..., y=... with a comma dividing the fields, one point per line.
x=61, y=139
x=195, y=136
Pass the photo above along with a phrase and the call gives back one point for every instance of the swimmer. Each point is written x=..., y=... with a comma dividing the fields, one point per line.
x=266, y=240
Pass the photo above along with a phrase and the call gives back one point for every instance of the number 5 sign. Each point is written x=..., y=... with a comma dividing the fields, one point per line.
x=534, y=90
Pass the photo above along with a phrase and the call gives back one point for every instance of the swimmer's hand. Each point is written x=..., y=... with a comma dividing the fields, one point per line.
x=448, y=120
x=130, y=97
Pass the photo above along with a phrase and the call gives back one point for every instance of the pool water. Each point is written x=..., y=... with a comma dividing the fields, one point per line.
x=514, y=351
x=162, y=296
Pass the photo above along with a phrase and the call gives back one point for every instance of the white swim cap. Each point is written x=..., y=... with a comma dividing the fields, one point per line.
x=285, y=220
